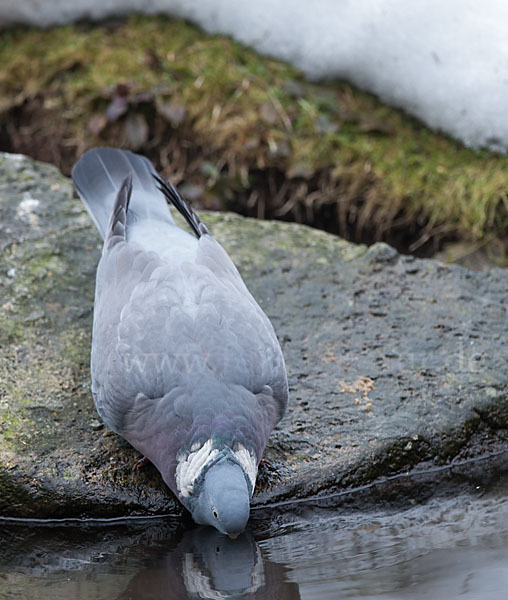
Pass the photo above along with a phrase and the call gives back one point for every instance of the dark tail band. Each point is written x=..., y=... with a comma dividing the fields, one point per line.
x=173, y=196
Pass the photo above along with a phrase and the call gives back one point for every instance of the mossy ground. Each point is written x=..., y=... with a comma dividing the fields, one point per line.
x=246, y=132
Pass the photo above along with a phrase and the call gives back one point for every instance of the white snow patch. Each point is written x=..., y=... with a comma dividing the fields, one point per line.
x=445, y=62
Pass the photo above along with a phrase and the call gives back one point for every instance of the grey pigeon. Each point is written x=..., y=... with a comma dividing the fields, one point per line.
x=185, y=364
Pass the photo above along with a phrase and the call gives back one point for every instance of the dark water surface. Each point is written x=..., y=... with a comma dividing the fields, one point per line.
x=446, y=549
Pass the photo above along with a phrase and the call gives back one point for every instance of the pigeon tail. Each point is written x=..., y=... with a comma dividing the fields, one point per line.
x=118, y=221
x=100, y=174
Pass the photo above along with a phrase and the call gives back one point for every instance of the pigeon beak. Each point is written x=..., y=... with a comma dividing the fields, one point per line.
x=233, y=536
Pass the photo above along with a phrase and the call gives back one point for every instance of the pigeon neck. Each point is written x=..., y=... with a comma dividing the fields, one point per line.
x=224, y=456
x=194, y=464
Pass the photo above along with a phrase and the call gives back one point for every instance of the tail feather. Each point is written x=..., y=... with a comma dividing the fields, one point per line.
x=173, y=196
x=117, y=227
x=100, y=173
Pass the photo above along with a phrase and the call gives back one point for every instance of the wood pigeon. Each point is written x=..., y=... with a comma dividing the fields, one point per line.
x=185, y=365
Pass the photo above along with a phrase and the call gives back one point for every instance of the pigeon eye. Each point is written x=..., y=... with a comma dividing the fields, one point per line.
x=215, y=513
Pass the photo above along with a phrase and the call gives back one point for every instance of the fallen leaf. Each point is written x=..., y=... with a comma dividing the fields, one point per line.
x=173, y=113
x=141, y=97
x=137, y=131
x=117, y=108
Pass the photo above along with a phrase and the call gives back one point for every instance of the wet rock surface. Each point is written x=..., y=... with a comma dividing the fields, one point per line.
x=394, y=363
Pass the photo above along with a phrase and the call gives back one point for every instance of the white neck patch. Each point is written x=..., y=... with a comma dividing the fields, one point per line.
x=190, y=465
x=248, y=463
x=199, y=584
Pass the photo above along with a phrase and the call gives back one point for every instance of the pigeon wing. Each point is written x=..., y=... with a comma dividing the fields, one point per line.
x=254, y=338
x=163, y=330
x=123, y=269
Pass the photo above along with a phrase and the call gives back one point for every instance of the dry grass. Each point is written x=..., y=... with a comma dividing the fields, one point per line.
x=246, y=132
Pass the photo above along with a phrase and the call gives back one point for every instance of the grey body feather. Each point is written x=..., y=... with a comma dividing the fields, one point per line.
x=181, y=352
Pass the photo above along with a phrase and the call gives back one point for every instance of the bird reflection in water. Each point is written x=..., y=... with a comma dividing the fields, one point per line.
x=207, y=564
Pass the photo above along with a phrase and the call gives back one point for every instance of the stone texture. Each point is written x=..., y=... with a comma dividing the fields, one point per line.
x=393, y=362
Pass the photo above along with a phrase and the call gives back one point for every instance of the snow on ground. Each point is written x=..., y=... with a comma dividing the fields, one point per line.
x=443, y=61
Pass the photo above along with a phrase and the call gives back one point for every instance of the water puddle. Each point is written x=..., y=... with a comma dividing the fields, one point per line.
x=449, y=548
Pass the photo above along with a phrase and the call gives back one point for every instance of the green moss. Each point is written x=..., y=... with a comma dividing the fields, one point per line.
x=41, y=388
x=276, y=242
x=250, y=112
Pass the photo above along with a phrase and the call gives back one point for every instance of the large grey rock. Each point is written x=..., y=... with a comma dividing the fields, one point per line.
x=393, y=362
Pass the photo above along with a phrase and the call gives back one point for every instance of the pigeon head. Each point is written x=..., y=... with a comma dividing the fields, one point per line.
x=223, y=498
